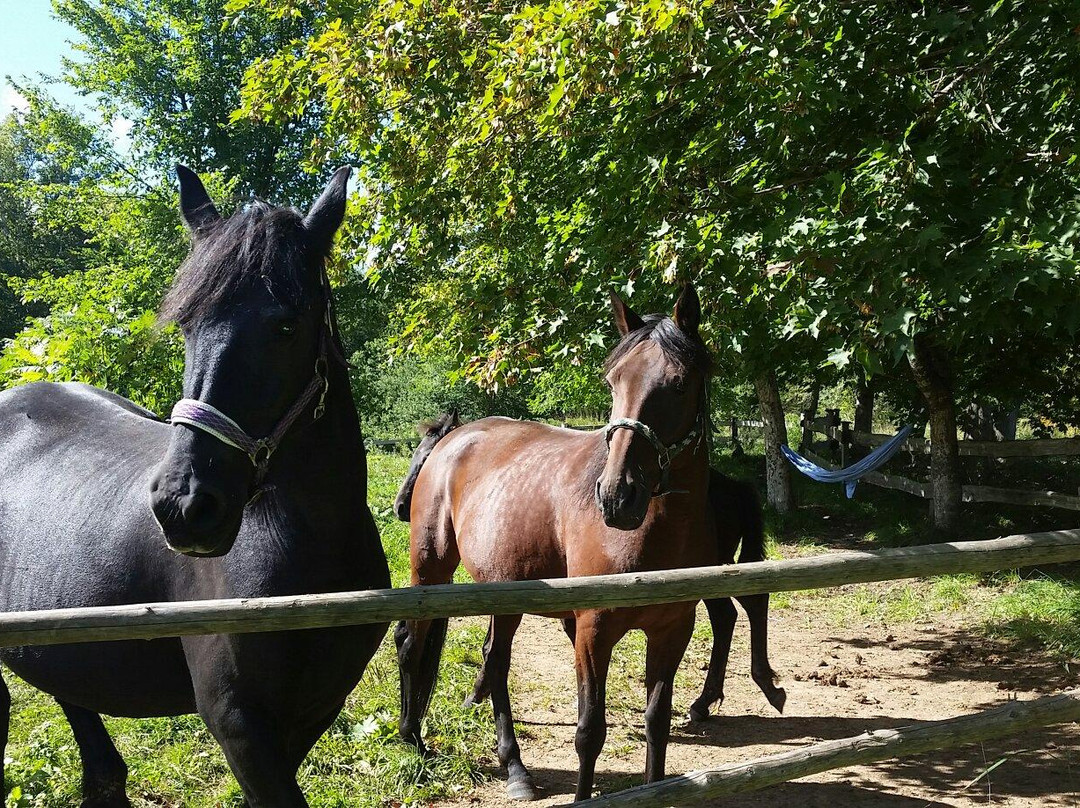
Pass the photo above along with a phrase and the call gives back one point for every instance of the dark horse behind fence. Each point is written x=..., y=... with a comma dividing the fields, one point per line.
x=519, y=500
x=737, y=518
x=89, y=483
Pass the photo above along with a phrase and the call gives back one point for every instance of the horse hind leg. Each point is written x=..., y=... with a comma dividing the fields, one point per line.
x=419, y=648
x=104, y=773
x=757, y=612
x=722, y=616
x=482, y=686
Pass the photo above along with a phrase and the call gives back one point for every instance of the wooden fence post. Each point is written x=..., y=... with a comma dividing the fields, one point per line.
x=807, y=439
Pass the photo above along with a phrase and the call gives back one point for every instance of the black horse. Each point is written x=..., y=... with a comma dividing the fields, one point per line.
x=89, y=483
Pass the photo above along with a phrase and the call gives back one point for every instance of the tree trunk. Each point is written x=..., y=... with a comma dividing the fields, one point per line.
x=930, y=366
x=777, y=471
x=813, y=396
x=864, y=406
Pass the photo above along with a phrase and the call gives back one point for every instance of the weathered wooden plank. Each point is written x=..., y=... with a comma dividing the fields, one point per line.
x=739, y=778
x=1049, y=447
x=1042, y=447
x=1012, y=496
x=915, y=487
x=146, y=621
x=873, y=439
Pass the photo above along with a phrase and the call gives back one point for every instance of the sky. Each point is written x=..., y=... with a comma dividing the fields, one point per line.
x=32, y=41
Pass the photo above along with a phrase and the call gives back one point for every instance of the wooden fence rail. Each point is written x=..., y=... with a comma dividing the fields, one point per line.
x=870, y=747
x=173, y=619
x=1036, y=447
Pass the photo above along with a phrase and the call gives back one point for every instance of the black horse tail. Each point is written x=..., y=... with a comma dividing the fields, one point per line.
x=431, y=432
x=751, y=522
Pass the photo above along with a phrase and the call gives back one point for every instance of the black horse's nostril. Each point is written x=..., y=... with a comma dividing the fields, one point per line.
x=629, y=497
x=203, y=508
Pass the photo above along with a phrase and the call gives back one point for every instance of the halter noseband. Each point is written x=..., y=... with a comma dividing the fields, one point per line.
x=665, y=455
x=209, y=419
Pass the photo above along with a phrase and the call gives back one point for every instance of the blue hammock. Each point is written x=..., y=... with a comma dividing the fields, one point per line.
x=849, y=475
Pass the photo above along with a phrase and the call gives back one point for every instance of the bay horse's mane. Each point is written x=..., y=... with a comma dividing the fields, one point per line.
x=690, y=352
x=259, y=244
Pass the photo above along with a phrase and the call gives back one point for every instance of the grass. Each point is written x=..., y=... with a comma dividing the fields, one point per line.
x=359, y=762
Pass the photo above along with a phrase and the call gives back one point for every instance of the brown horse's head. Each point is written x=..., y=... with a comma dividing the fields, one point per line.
x=658, y=375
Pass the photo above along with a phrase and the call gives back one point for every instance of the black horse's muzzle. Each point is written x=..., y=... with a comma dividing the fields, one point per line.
x=199, y=512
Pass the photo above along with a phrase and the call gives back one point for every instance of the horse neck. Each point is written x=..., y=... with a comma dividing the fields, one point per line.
x=690, y=472
x=329, y=453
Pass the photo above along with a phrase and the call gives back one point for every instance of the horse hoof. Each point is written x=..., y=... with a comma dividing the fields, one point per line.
x=522, y=789
x=472, y=702
x=699, y=714
x=106, y=801
x=777, y=698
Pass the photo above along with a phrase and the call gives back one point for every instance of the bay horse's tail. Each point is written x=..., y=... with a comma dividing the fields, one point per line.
x=739, y=519
x=751, y=522
x=431, y=432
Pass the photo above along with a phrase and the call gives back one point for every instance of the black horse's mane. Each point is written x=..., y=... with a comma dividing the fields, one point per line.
x=259, y=244
x=677, y=345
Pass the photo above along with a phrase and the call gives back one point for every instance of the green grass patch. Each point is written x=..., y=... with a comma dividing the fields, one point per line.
x=1042, y=613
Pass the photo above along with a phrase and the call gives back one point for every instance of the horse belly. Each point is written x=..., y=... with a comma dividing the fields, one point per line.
x=136, y=678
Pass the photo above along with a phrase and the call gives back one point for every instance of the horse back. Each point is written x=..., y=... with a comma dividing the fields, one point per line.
x=494, y=493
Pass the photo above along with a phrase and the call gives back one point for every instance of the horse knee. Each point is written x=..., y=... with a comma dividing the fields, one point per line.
x=658, y=715
x=590, y=736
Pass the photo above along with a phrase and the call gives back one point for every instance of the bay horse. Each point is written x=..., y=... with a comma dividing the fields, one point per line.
x=101, y=503
x=520, y=500
x=740, y=530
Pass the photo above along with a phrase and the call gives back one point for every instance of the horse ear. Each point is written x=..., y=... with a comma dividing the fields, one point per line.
x=195, y=204
x=687, y=315
x=626, y=320
x=326, y=215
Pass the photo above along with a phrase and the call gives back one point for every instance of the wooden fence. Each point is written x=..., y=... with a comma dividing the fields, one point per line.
x=153, y=620
x=842, y=440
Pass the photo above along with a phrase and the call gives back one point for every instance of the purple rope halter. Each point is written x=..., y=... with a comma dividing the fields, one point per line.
x=209, y=419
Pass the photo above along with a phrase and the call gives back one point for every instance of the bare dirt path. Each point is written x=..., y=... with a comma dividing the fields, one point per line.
x=840, y=682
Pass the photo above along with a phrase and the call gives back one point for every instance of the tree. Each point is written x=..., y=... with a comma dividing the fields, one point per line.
x=46, y=154
x=875, y=184
x=173, y=68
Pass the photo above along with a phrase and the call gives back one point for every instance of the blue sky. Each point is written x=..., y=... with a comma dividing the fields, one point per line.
x=32, y=41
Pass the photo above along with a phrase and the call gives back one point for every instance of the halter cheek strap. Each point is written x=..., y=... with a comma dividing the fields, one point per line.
x=665, y=454
x=209, y=419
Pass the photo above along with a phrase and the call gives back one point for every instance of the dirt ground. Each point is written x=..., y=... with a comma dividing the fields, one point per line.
x=840, y=682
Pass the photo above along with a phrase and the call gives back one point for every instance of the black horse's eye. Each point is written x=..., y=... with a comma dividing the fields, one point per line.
x=286, y=327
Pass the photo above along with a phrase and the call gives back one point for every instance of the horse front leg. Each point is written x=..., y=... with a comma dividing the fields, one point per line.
x=593, y=642
x=666, y=646
x=519, y=783
x=722, y=616
x=255, y=746
x=482, y=686
x=757, y=612
x=104, y=773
